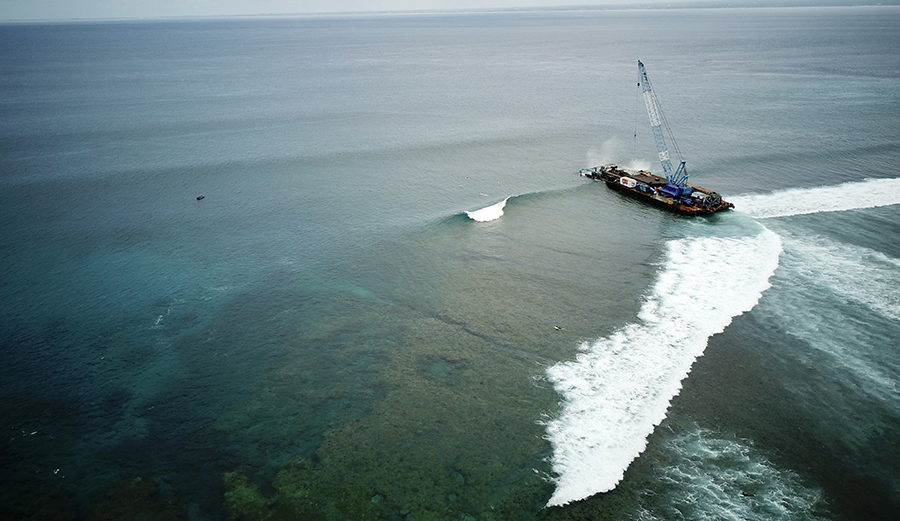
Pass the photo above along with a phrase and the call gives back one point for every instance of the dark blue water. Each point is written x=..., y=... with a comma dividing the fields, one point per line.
x=329, y=323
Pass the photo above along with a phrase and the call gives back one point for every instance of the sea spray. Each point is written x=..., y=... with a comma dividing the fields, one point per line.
x=491, y=213
x=619, y=388
x=610, y=152
x=610, y=149
x=870, y=193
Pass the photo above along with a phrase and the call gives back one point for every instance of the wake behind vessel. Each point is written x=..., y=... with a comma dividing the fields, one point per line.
x=672, y=192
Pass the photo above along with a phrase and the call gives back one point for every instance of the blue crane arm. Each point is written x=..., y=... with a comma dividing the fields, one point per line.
x=655, y=120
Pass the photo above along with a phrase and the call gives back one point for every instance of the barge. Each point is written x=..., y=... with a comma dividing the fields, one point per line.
x=687, y=199
x=671, y=192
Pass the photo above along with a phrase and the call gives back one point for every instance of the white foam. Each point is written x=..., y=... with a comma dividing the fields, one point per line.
x=491, y=213
x=717, y=478
x=870, y=193
x=619, y=388
x=828, y=278
x=861, y=275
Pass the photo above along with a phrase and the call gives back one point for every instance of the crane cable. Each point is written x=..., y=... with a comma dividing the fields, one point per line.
x=665, y=123
x=637, y=106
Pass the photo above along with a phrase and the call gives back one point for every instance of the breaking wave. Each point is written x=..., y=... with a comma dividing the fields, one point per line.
x=490, y=213
x=619, y=388
x=870, y=193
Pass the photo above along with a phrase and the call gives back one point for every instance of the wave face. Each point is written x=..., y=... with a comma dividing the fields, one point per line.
x=870, y=193
x=491, y=213
x=620, y=387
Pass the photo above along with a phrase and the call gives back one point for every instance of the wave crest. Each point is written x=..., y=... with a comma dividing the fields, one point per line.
x=490, y=213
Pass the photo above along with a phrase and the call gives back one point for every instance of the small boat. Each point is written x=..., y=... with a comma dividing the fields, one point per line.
x=671, y=192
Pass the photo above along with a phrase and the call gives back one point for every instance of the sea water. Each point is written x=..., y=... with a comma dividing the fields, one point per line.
x=397, y=298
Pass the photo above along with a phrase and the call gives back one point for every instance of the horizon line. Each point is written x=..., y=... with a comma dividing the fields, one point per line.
x=648, y=5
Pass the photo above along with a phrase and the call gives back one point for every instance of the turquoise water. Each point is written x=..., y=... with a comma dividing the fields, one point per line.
x=331, y=324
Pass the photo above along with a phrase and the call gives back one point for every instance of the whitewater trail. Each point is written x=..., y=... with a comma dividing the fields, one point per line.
x=618, y=389
x=491, y=213
x=870, y=193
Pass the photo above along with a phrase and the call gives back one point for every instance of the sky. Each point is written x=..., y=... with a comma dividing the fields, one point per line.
x=74, y=9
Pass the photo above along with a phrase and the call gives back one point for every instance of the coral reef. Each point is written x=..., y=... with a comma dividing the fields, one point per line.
x=433, y=447
x=136, y=500
x=244, y=501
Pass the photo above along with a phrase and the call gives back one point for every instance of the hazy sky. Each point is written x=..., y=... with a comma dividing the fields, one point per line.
x=67, y=9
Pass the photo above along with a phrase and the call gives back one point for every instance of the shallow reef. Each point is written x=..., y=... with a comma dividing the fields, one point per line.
x=431, y=447
x=138, y=499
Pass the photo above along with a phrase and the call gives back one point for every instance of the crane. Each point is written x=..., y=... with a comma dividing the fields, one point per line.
x=679, y=177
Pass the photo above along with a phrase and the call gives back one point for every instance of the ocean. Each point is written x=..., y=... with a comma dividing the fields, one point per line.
x=396, y=298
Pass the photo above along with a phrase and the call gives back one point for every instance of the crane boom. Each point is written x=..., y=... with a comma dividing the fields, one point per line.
x=655, y=122
x=679, y=177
